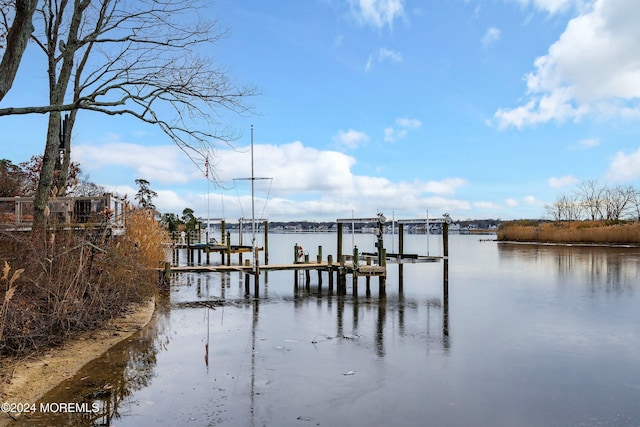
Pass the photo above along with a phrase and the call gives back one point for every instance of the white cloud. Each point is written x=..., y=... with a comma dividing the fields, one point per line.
x=408, y=123
x=382, y=55
x=377, y=13
x=587, y=143
x=385, y=54
x=403, y=126
x=624, y=167
x=306, y=182
x=446, y=186
x=553, y=6
x=165, y=163
x=491, y=36
x=487, y=205
x=512, y=203
x=563, y=181
x=351, y=138
x=532, y=200
x=592, y=69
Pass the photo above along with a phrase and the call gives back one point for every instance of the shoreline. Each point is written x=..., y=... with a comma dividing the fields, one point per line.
x=583, y=244
x=26, y=381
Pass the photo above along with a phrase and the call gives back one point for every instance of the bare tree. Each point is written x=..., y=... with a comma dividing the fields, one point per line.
x=15, y=32
x=565, y=208
x=616, y=201
x=142, y=59
x=591, y=192
x=635, y=202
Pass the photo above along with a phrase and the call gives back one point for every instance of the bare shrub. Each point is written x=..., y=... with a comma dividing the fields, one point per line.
x=74, y=281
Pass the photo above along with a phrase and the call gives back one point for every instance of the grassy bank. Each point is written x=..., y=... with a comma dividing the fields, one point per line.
x=56, y=287
x=592, y=232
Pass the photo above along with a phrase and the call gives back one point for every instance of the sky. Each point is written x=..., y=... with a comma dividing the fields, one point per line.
x=476, y=108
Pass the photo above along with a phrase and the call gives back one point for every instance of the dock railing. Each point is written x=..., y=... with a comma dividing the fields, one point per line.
x=16, y=213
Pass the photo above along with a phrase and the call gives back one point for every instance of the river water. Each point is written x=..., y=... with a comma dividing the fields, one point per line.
x=527, y=335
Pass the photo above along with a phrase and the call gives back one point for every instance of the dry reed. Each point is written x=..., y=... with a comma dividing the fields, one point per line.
x=591, y=232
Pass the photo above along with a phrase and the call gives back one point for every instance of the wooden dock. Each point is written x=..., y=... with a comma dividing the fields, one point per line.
x=358, y=264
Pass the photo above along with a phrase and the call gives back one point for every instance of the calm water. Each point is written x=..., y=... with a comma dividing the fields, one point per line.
x=528, y=336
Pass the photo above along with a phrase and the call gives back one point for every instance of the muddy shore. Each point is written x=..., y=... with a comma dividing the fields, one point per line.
x=28, y=380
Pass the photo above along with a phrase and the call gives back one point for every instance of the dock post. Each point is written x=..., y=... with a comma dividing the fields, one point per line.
x=208, y=252
x=199, y=256
x=368, y=287
x=382, y=279
x=266, y=243
x=166, y=274
x=295, y=253
x=256, y=273
x=339, y=252
x=222, y=241
x=228, y=248
x=445, y=240
x=246, y=284
x=400, y=253
x=342, y=276
x=354, y=274
x=318, y=261
x=330, y=272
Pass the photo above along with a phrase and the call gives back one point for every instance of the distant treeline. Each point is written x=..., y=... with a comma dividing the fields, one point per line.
x=332, y=225
x=596, y=202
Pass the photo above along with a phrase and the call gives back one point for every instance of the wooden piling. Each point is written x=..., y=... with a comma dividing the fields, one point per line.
x=400, y=252
x=166, y=274
x=445, y=240
x=266, y=243
x=339, y=248
x=354, y=274
x=330, y=272
x=342, y=276
x=222, y=239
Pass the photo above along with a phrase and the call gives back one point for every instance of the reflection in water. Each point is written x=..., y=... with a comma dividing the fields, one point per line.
x=601, y=269
x=106, y=385
x=115, y=380
x=543, y=336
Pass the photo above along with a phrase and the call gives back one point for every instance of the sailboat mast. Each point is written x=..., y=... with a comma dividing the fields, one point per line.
x=253, y=204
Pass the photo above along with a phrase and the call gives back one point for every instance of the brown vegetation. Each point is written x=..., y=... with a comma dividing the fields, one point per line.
x=592, y=232
x=73, y=281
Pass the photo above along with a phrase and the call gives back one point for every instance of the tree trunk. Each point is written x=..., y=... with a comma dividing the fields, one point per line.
x=17, y=39
x=46, y=173
x=66, y=160
x=58, y=89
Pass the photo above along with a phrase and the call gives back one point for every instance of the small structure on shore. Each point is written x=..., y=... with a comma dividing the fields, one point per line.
x=16, y=213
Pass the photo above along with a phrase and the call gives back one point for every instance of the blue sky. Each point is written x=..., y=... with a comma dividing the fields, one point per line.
x=482, y=109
